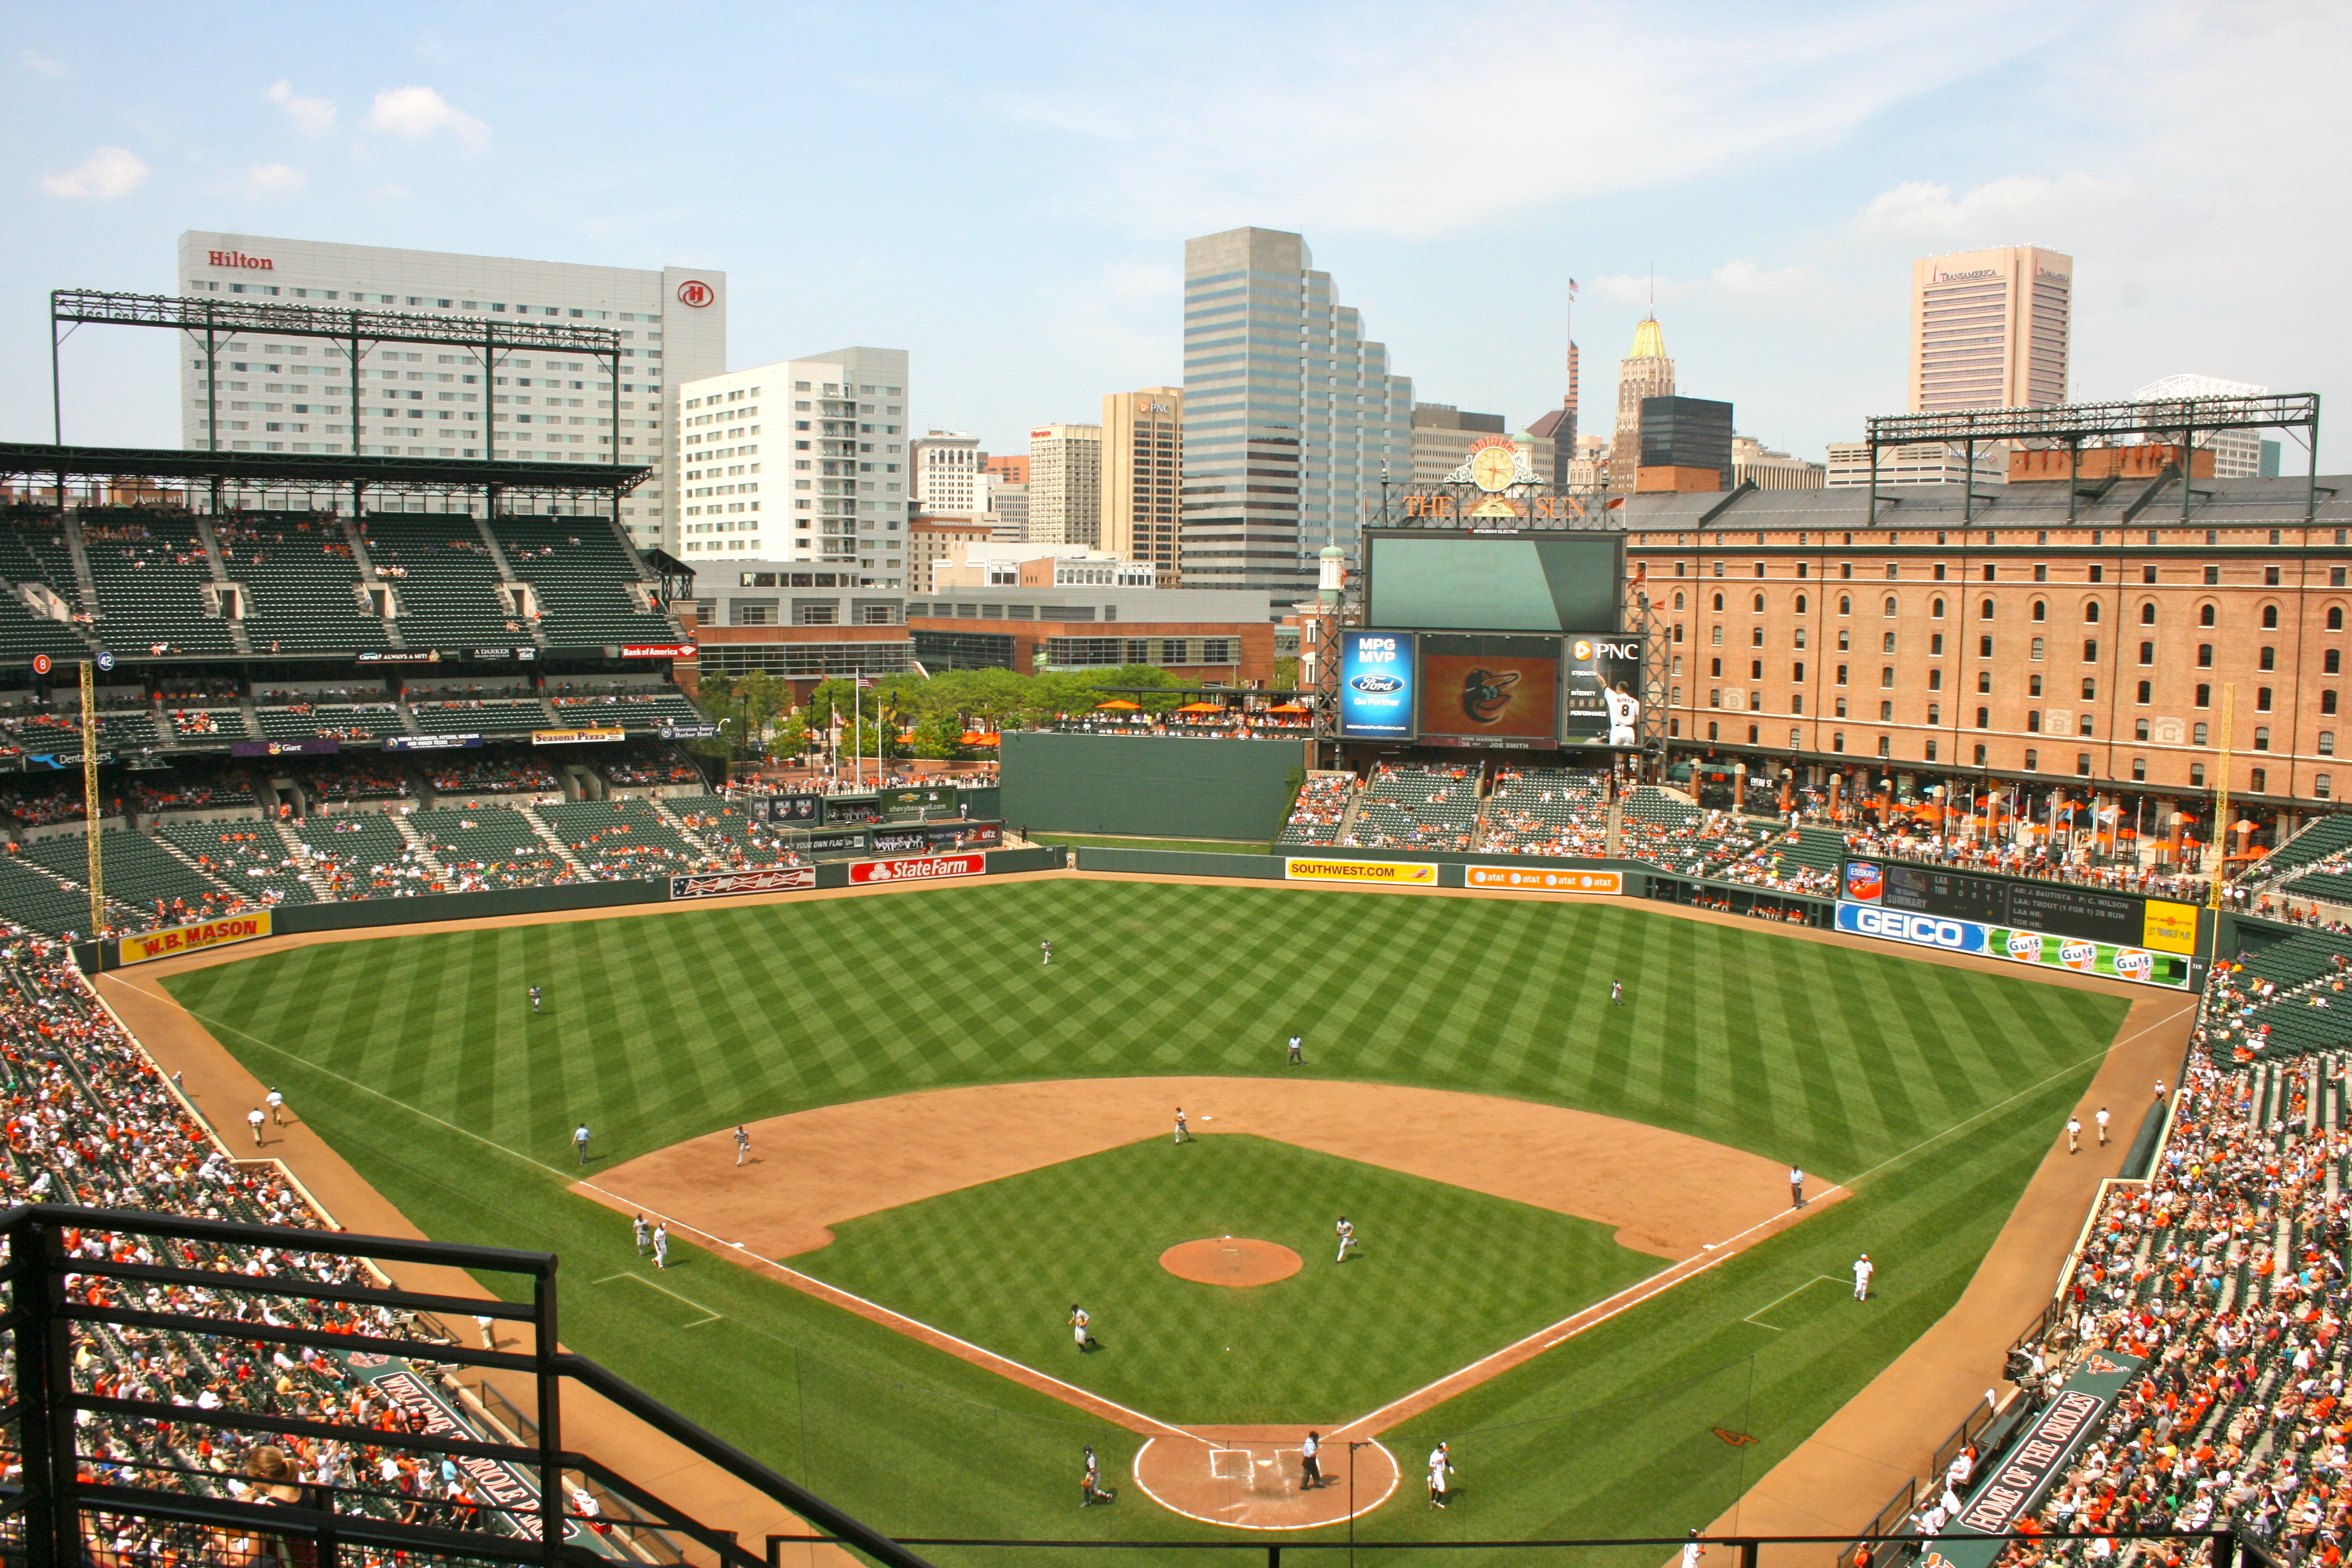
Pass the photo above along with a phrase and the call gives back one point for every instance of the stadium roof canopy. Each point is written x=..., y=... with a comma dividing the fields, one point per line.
x=38, y=464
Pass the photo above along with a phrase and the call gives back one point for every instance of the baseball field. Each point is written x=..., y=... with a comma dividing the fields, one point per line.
x=967, y=1140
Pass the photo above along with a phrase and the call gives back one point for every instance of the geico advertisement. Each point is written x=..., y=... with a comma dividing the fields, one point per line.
x=2078, y=953
x=1376, y=684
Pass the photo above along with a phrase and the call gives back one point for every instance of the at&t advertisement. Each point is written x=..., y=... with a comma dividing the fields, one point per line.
x=1376, y=685
x=1604, y=691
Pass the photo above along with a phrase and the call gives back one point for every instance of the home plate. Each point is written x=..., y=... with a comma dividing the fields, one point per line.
x=1251, y=1478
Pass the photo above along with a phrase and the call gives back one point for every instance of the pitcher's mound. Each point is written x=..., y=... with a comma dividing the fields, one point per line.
x=1229, y=1260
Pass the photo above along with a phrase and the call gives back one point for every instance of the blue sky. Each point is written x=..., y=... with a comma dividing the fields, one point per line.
x=1004, y=190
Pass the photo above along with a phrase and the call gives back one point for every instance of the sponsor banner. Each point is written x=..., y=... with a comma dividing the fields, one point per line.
x=2169, y=927
x=1603, y=673
x=1395, y=872
x=429, y=743
x=656, y=650
x=574, y=737
x=2010, y=1490
x=929, y=868
x=397, y=656
x=316, y=746
x=788, y=809
x=728, y=884
x=1865, y=881
x=194, y=938
x=1512, y=878
x=922, y=837
x=1376, y=685
x=490, y=655
x=2078, y=953
x=916, y=798
x=686, y=731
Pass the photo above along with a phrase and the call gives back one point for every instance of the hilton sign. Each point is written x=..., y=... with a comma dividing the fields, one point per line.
x=239, y=258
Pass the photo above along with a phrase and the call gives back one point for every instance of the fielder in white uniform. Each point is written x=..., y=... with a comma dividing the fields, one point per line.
x=1863, y=1269
x=1347, y=1233
x=1624, y=710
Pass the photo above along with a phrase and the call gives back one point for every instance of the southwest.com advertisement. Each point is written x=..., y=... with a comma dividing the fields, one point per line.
x=1376, y=685
x=2078, y=953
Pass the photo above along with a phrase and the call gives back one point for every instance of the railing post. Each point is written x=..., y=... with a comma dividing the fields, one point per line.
x=45, y=1413
x=551, y=1412
x=1749, y=1550
x=1272, y=1555
x=2224, y=1548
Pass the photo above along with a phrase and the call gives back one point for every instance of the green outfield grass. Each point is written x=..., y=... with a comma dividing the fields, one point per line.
x=1332, y=1340
x=1932, y=1090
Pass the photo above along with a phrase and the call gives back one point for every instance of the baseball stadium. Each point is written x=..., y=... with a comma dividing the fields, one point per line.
x=460, y=1110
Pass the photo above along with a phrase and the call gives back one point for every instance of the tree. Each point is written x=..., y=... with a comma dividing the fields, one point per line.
x=939, y=737
x=791, y=737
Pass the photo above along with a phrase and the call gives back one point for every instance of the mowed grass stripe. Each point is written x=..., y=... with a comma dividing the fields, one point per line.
x=669, y=1027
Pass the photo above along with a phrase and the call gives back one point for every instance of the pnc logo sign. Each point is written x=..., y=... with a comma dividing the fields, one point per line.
x=239, y=258
x=694, y=292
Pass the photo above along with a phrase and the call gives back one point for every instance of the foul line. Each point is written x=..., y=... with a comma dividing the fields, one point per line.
x=1755, y=1317
x=713, y=1317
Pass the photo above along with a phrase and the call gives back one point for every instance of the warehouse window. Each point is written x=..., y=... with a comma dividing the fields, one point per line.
x=2204, y=655
x=2261, y=780
x=1980, y=756
x=2148, y=613
x=2319, y=786
x=2262, y=737
x=1893, y=605
x=2197, y=775
x=2082, y=764
x=2205, y=616
x=2270, y=617
x=1935, y=609
x=2140, y=729
x=2091, y=612
x=2032, y=760
x=2146, y=692
x=2040, y=611
x=2267, y=660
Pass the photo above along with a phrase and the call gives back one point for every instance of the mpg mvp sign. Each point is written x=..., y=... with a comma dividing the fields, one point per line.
x=1376, y=677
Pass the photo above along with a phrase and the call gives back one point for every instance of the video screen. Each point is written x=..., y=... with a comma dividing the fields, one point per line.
x=1604, y=691
x=1543, y=582
x=1376, y=685
x=1490, y=690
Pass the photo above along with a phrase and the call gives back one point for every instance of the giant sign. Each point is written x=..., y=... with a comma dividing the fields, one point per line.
x=729, y=884
x=1392, y=873
x=1511, y=879
x=2124, y=918
x=1376, y=685
x=192, y=937
x=1489, y=690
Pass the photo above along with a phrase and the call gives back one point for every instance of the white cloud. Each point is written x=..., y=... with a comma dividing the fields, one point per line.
x=273, y=179
x=106, y=174
x=418, y=111
x=312, y=116
x=2021, y=209
x=33, y=60
x=389, y=192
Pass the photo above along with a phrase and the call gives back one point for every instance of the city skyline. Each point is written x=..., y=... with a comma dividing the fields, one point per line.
x=1797, y=163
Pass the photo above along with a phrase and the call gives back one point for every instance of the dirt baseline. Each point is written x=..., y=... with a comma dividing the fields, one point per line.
x=1665, y=1193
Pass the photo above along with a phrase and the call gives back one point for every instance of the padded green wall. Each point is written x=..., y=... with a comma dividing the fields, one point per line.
x=1147, y=786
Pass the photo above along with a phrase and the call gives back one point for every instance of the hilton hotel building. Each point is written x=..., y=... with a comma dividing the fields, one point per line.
x=293, y=395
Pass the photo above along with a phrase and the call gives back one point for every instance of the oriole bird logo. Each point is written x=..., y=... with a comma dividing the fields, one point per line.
x=1486, y=693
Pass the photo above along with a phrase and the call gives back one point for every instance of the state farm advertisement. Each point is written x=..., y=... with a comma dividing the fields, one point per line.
x=926, y=869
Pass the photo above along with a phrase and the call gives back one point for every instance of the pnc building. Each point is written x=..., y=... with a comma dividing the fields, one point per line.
x=420, y=401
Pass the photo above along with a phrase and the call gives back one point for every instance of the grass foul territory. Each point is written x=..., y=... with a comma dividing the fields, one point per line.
x=1933, y=1091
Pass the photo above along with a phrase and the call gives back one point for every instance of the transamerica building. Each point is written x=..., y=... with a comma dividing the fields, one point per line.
x=430, y=401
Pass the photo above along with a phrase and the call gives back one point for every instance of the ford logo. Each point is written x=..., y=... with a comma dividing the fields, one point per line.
x=1376, y=685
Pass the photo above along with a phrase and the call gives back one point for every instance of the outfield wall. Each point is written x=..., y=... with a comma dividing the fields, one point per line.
x=1147, y=786
x=299, y=920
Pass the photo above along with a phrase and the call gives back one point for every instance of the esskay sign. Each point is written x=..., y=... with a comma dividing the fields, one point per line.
x=2078, y=953
x=192, y=938
x=927, y=868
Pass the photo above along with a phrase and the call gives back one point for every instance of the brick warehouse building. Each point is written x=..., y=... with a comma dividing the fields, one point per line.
x=2005, y=644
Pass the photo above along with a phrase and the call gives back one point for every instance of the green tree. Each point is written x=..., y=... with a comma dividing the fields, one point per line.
x=791, y=739
x=939, y=737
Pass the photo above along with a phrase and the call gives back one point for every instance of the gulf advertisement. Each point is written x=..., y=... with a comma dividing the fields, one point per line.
x=1603, y=673
x=2078, y=953
x=172, y=941
x=1376, y=685
x=928, y=868
x=1512, y=880
x=1372, y=873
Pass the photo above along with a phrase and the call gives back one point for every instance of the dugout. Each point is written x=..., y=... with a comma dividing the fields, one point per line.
x=1148, y=786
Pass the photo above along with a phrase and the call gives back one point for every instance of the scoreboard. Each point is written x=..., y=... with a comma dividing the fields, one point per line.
x=2126, y=920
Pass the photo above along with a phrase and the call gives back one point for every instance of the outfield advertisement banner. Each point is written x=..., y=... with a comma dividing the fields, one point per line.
x=729, y=884
x=2078, y=953
x=430, y=743
x=574, y=737
x=1376, y=685
x=174, y=939
x=1392, y=872
x=1510, y=878
x=930, y=867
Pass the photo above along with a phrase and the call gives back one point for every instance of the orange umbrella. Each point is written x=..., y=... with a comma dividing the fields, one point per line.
x=1121, y=703
x=1289, y=708
x=1200, y=708
x=976, y=737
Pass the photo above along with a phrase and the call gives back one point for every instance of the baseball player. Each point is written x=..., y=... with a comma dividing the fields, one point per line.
x=1310, y=1468
x=253, y=1120
x=534, y=999
x=742, y=1145
x=1692, y=1549
x=489, y=1335
x=1863, y=1269
x=1090, y=1486
x=1079, y=1328
x=1440, y=1466
x=661, y=1244
x=1625, y=708
x=276, y=1103
x=2102, y=1119
x=1046, y=950
x=1298, y=1051
x=2160, y=1088
x=644, y=1235
x=1796, y=1186
x=2074, y=1135
x=1347, y=1233
x=580, y=1142
x=1184, y=1132
x=1616, y=993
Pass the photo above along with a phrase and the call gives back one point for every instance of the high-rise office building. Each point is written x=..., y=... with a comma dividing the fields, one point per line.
x=1684, y=441
x=1142, y=471
x=1442, y=435
x=293, y=396
x=1065, y=484
x=1290, y=415
x=2237, y=454
x=1645, y=372
x=949, y=481
x=1008, y=492
x=828, y=484
x=1752, y=462
x=1989, y=329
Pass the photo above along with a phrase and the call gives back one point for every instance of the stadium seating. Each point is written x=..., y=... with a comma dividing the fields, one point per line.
x=301, y=584
x=155, y=580
x=354, y=779
x=583, y=576
x=478, y=715
x=194, y=789
x=491, y=774
x=1417, y=808
x=362, y=856
x=2327, y=838
x=645, y=767
x=489, y=847
x=1320, y=812
x=738, y=842
x=1675, y=833
x=621, y=839
x=248, y=858
x=33, y=550
x=42, y=903
x=1549, y=811
x=444, y=579
x=140, y=873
